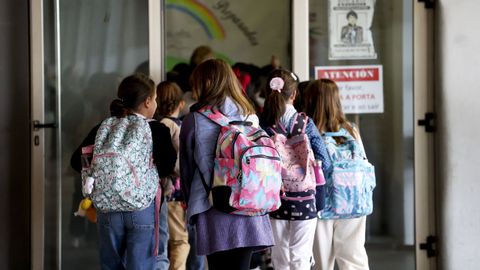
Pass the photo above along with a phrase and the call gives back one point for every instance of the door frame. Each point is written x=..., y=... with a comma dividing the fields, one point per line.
x=37, y=92
x=424, y=166
x=37, y=136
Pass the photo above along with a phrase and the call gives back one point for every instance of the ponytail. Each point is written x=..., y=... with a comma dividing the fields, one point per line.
x=281, y=85
x=274, y=108
x=118, y=109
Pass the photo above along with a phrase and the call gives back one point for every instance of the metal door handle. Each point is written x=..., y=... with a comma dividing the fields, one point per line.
x=37, y=125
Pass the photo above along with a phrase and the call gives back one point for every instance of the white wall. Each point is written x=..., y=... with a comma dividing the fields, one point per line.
x=458, y=138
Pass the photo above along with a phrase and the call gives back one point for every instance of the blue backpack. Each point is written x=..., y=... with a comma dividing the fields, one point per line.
x=349, y=188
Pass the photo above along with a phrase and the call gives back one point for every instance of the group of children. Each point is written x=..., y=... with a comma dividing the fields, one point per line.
x=184, y=154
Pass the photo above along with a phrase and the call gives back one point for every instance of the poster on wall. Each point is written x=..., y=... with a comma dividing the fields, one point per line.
x=248, y=31
x=361, y=87
x=349, y=29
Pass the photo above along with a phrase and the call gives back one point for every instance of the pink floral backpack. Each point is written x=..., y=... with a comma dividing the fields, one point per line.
x=247, y=166
x=302, y=175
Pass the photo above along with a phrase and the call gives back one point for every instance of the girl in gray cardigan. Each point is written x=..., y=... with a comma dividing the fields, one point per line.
x=228, y=240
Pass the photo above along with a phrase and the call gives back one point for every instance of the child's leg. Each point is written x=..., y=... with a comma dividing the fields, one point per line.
x=349, y=244
x=140, y=242
x=233, y=259
x=302, y=234
x=194, y=262
x=162, y=257
x=323, y=245
x=178, y=246
x=281, y=250
x=111, y=240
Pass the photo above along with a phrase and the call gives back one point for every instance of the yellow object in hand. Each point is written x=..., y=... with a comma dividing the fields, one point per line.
x=86, y=203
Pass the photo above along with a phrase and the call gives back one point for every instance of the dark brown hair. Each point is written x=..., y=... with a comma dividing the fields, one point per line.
x=275, y=102
x=132, y=91
x=169, y=96
x=213, y=80
x=322, y=103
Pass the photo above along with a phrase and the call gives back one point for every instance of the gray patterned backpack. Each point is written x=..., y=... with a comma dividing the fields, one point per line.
x=122, y=166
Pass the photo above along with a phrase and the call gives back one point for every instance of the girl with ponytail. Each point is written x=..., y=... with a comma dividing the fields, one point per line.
x=294, y=223
x=128, y=235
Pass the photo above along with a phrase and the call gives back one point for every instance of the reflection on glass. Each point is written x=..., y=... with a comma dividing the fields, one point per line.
x=388, y=136
x=101, y=41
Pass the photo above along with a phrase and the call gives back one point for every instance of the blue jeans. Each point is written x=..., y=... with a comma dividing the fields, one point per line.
x=162, y=259
x=127, y=239
x=194, y=262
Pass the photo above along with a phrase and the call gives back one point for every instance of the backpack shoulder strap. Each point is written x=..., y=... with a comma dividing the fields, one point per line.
x=299, y=124
x=215, y=116
x=278, y=129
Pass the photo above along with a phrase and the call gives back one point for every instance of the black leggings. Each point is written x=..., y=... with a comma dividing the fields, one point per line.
x=233, y=259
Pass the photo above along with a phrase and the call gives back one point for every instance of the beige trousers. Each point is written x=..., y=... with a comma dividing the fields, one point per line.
x=178, y=246
x=343, y=241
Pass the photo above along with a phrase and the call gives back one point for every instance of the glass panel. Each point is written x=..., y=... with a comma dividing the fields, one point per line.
x=52, y=142
x=387, y=135
x=232, y=29
x=101, y=41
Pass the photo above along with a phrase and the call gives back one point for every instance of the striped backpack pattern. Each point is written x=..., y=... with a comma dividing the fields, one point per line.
x=349, y=188
x=246, y=174
x=122, y=165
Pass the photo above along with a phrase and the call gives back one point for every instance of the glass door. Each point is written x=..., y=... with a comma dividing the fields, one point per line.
x=80, y=52
x=368, y=48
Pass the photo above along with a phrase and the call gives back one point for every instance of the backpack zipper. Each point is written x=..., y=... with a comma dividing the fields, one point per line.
x=239, y=175
x=237, y=133
x=261, y=156
x=309, y=197
x=253, y=146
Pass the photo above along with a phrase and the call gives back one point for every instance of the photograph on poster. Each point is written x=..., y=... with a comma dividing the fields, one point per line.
x=361, y=87
x=350, y=36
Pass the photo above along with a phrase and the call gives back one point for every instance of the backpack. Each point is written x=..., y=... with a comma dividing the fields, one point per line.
x=122, y=165
x=300, y=171
x=246, y=173
x=349, y=189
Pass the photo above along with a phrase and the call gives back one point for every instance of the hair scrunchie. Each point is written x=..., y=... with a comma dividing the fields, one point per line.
x=276, y=84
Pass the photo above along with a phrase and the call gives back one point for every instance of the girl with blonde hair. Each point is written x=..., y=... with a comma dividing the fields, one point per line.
x=228, y=240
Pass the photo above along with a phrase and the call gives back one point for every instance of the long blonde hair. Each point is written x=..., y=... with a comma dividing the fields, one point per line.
x=322, y=103
x=213, y=80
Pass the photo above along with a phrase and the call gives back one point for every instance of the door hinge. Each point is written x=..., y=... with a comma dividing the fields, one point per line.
x=428, y=122
x=430, y=246
x=429, y=4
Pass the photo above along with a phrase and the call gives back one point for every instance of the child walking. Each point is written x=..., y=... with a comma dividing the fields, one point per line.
x=170, y=103
x=340, y=232
x=228, y=240
x=294, y=223
x=130, y=154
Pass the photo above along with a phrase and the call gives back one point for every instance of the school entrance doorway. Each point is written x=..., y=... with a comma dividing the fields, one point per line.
x=80, y=50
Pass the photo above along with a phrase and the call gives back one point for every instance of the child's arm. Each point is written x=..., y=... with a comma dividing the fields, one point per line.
x=318, y=146
x=75, y=160
x=187, y=159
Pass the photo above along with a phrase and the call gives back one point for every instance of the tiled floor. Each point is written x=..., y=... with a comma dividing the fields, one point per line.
x=382, y=256
x=391, y=258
